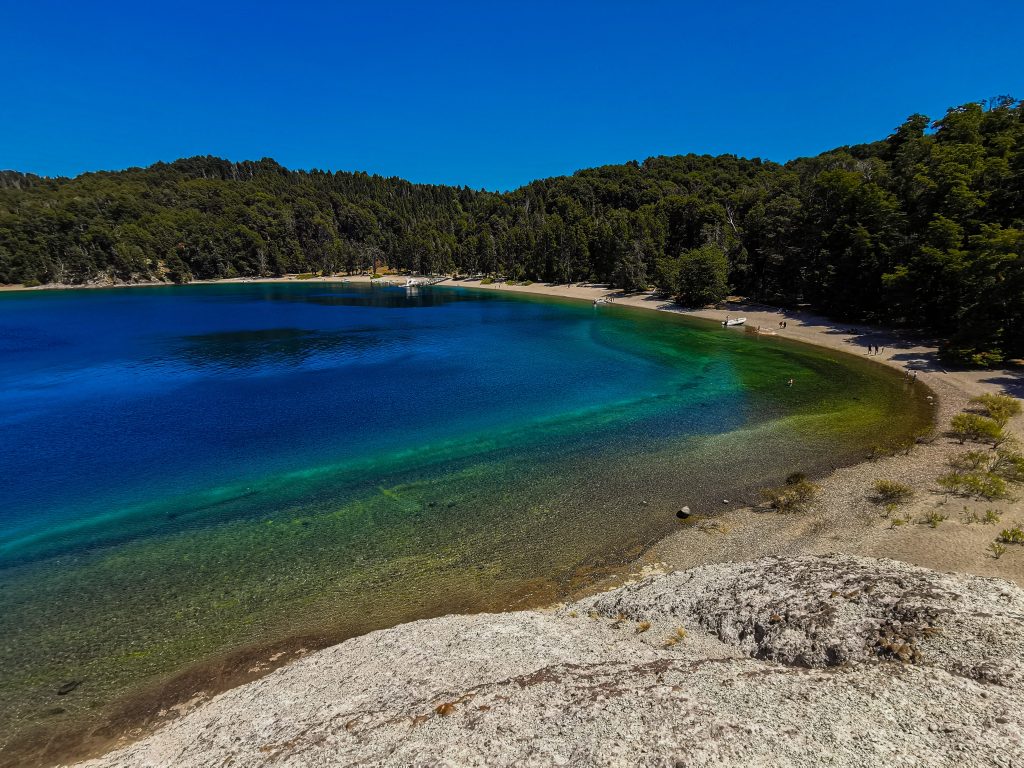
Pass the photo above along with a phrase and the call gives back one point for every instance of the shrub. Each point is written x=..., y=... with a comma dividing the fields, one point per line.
x=1013, y=535
x=980, y=429
x=792, y=497
x=990, y=517
x=1008, y=463
x=890, y=492
x=999, y=408
x=984, y=485
x=996, y=549
x=932, y=519
x=642, y=627
x=967, y=355
x=970, y=461
x=487, y=281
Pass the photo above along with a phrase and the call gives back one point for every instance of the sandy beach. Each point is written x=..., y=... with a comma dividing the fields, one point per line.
x=844, y=518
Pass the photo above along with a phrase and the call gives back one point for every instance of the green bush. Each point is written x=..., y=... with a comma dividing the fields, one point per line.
x=980, y=429
x=932, y=519
x=1013, y=535
x=792, y=497
x=487, y=281
x=971, y=461
x=999, y=408
x=983, y=358
x=890, y=492
x=1008, y=463
x=1005, y=462
x=983, y=485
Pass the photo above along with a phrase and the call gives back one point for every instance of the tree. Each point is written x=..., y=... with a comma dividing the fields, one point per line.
x=700, y=276
x=630, y=271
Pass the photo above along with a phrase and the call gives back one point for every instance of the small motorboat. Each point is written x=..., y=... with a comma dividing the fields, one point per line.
x=734, y=321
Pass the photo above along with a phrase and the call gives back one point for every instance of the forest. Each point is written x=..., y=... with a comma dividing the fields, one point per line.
x=921, y=229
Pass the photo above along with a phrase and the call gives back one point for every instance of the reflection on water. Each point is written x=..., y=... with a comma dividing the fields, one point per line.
x=278, y=347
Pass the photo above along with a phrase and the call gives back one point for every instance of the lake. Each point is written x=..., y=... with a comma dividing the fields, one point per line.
x=201, y=481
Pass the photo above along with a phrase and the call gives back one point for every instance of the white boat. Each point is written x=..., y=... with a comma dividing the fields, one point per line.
x=734, y=321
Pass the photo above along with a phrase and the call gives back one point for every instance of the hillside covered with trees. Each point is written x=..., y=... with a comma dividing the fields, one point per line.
x=924, y=228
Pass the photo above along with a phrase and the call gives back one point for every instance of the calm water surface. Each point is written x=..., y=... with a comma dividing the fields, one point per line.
x=195, y=472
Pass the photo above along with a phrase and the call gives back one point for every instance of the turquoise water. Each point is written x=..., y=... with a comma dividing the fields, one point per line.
x=206, y=473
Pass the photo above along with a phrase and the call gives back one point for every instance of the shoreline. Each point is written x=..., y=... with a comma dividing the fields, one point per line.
x=844, y=521
x=845, y=487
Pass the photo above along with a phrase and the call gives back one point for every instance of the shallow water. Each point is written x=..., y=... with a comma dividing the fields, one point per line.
x=194, y=471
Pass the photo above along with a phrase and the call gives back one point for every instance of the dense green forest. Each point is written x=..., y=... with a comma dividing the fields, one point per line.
x=924, y=228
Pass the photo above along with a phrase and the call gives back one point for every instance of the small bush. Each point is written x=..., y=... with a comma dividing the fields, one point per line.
x=984, y=485
x=990, y=517
x=792, y=497
x=642, y=627
x=996, y=549
x=890, y=492
x=1013, y=535
x=970, y=461
x=999, y=408
x=932, y=519
x=1008, y=463
x=487, y=281
x=980, y=429
x=985, y=358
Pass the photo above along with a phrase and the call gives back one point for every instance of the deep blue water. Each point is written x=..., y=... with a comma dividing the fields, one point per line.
x=110, y=398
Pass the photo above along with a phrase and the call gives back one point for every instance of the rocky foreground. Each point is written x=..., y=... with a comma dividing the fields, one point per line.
x=782, y=661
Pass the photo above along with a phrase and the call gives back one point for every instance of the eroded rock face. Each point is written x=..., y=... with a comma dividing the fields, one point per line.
x=784, y=662
x=833, y=610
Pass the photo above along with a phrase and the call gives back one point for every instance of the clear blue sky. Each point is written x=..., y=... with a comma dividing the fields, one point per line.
x=488, y=94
